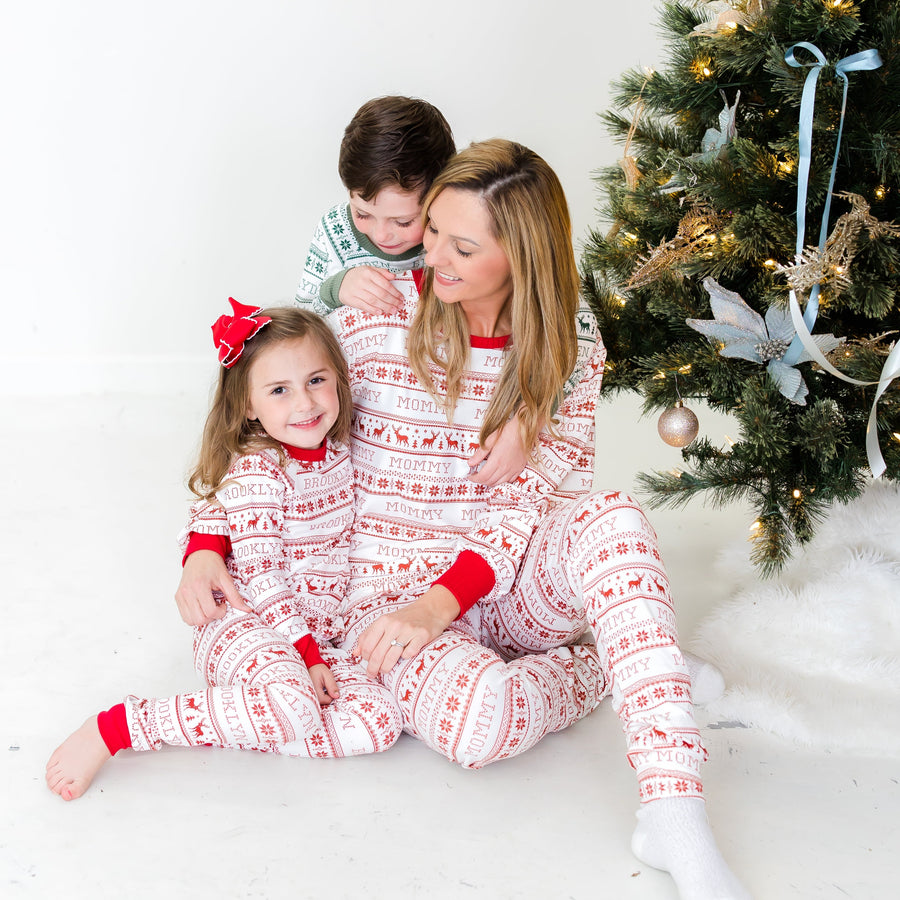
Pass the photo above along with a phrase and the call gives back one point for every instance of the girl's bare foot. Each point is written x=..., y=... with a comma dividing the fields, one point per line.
x=76, y=761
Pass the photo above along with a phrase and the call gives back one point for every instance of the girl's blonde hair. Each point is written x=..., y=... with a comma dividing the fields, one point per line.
x=530, y=220
x=228, y=432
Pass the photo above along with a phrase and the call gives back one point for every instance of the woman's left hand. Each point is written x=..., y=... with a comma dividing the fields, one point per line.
x=501, y=458
x=404, y=633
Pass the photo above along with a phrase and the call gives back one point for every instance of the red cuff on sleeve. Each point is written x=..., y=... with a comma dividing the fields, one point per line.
x=468, y=579
x=309, y=650
x=114, y=729
x=219, y=543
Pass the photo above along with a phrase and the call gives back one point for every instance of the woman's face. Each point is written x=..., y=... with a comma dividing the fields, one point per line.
x=470, y=267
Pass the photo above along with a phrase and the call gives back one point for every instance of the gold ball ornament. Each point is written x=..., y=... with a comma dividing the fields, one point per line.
x=678, y=426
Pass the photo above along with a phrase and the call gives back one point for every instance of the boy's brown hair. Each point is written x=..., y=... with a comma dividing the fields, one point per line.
x=394, y=142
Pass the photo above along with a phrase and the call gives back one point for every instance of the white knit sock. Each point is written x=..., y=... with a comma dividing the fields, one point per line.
x=673, y=834
x=707, y=683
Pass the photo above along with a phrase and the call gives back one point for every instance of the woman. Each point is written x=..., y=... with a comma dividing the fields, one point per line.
x=487, y=657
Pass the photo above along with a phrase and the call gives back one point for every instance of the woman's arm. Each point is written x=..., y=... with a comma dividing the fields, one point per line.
x=206, y=589
x=404, y=633
x=503, y=455
x=564, y=468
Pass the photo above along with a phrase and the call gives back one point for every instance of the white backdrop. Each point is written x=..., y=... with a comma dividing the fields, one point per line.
x=159, y=157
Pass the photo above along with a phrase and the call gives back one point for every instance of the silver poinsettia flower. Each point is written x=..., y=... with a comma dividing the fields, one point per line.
x=745, y=334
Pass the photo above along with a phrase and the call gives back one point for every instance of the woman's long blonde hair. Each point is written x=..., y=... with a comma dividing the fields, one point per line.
x=228, y=432
x=530, y=220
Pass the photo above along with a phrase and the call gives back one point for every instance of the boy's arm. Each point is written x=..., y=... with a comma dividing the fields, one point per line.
x=323, y=264
x=367, y=288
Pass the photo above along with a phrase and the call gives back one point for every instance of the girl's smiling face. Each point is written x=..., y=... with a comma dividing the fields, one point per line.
x=293, y=393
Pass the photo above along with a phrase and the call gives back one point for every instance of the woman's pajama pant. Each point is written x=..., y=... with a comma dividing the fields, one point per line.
x=595, y=563
x=260, y=697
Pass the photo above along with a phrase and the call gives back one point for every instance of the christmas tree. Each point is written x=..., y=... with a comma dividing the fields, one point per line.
x=728, y=158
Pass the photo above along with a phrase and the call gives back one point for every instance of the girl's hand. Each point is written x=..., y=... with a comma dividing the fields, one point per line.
x=370, y=289
x=404, y=633
x=206, y=589
x=323, y=681
x=501, y=458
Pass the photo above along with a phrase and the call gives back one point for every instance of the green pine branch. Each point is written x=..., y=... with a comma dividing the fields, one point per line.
x=790, y=460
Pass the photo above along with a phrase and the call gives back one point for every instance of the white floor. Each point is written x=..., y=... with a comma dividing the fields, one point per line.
x=93, y=497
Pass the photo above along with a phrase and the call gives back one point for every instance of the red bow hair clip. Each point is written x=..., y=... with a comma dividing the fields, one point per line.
x=230, y=332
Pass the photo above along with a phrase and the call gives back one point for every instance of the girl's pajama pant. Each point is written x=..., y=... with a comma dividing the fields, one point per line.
x=591, y=563
x=260, y=697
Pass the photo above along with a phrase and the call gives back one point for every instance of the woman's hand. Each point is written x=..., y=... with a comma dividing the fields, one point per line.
x=206, y=589
x=370, y=289
x=323, y=681
x=501, y=458
x=404, y=633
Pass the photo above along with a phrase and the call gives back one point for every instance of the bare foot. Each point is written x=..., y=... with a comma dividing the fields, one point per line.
x=76, y=761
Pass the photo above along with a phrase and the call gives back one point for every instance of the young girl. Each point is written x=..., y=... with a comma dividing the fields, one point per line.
x=274, y=457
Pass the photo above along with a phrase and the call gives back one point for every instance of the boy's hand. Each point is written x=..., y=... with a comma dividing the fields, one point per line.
x=206, y=589
x=323, y=681
x=501, y=458
x=370, y=289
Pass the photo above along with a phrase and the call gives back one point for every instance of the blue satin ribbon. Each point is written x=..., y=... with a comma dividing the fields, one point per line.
x=804, y=320
x=867, y=59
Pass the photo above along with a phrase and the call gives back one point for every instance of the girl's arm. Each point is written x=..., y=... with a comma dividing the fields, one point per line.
x=253, y=497
x=251, y=535
x=324, y=682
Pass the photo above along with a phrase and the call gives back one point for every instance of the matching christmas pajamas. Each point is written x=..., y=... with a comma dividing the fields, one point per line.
x=545, y=558
x=289, y=530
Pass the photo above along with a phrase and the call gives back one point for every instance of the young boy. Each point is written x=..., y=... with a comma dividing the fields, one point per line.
x=392, y=150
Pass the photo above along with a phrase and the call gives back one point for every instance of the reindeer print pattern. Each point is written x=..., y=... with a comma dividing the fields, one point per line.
x=411, y=464
x=289, y=532
x=595, y=564
x=470, y=706
x=260, y=697
x=564, y=561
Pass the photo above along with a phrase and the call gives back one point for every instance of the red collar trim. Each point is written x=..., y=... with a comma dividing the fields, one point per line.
x=419, y=278
x=489, y=343
x=317, y=454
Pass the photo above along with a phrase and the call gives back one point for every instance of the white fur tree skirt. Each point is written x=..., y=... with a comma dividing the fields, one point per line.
x=813, y=655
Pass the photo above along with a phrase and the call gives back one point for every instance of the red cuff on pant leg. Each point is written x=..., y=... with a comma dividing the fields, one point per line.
x=114, y=729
